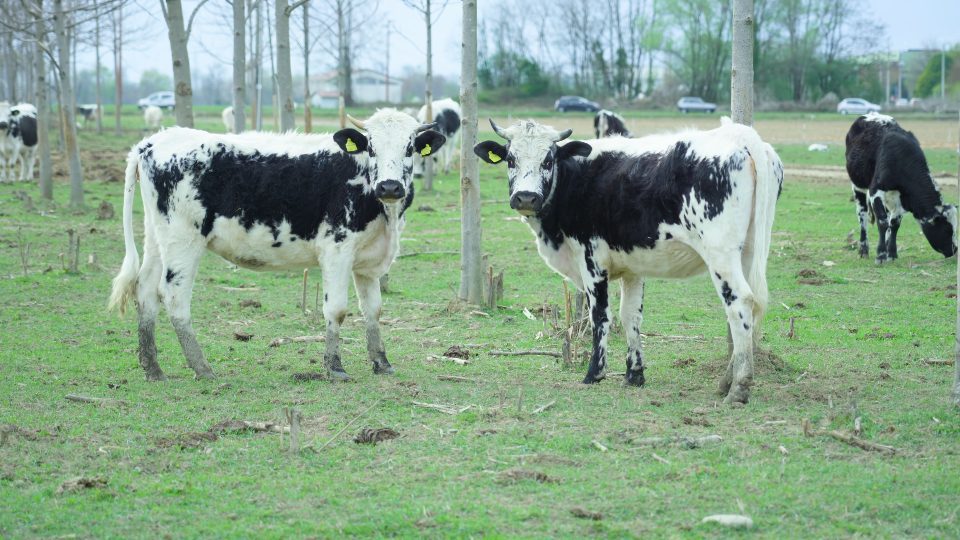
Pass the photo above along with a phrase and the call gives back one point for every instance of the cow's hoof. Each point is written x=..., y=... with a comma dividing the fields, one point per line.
x=634, y=379
x=593, y=379
x=386, y=369
x=205, y=375
x=881, y=260
x=156, y=376
x=864, y=254
x=724, y=387
x=338, y=376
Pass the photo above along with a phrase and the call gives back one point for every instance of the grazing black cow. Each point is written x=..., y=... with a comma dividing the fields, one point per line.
x=608, y=124
x=446, y=114
x=668, y=206
x=265, y=202
x=890, y=177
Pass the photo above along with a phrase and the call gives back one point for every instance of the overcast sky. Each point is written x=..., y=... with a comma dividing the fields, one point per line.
x=908, y=24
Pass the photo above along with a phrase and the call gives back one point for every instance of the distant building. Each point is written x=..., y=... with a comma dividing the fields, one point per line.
x=368, y=87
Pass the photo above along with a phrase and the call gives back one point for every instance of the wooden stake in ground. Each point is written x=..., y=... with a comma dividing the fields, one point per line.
x=293, y=417
x=95, y=400
x=303, y=294
x=73, y=251
x=24, y=252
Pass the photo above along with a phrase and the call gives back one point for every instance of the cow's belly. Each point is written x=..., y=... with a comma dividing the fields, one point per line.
x=257, y=248
x=667, y=259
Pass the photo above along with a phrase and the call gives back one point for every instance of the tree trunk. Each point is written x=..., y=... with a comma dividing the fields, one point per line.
x=239, y=66
x=97, y=50
x=741, y=74
x=118, y=72
x=258, y=75
x=307, y=112
x=284, y=71
x=471, y=288
x=43, y=108
x=956, y=346
x=428, y=96
x=343, y=62
x=67, y=112
x=183, y=87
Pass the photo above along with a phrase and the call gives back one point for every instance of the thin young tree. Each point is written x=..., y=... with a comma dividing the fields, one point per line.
x=284, y=70
x=741, y=73
x=239, y=65
x=179, y=37
x=43, y=102
x=471, y=271
x=68, y=112
x=956, y=346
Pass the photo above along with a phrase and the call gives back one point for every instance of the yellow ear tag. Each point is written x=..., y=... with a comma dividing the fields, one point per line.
x=351, y=146
x=493, y=157
x=426, y=150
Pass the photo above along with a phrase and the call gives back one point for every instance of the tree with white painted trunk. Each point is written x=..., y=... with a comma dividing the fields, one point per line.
x=741, y=74
x=239, y=66
x=179, y=37
x=471, y=283
x=67, y=113
x=284, y=71
x=425, y=7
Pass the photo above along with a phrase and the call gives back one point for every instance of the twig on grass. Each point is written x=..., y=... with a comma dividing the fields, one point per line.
x=298, y=339
x=95, y=400
x=598, y=445
x=683, y=441
x=526, y=353
x=244, y=425
x=660, y=459
x=455, y=378
x=350, y=423
x=418, y=253
x=240, y=289
x=938, y=362
x=448, y=409
x=544, y=407
x=848, y=439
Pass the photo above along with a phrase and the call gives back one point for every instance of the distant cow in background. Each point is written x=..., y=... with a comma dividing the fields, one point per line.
x=446, y=113
x=890, y=177
x=18, y=140
x=88, y=112
x=227, y=117
x=152, y=117
x=608, y=124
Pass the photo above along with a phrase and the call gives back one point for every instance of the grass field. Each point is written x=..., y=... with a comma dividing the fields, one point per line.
x=863, y=336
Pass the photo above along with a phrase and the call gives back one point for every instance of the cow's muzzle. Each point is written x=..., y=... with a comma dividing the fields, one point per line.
x=390, y=191
x=527, y=203
x=3, y=125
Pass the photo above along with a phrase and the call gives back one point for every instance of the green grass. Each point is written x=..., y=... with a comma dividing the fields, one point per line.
x=861, y=340
x=940, y=160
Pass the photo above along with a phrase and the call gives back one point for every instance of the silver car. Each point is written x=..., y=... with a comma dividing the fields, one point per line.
x=164, y=100
x=695, y=104
x=856, y=106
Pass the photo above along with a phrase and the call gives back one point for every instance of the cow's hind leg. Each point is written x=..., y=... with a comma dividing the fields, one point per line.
x=180, y=263
x=368, y=291
x=336, y=283
x=738, y=301
x=148, y=306
x=883, y=227
x=631, y=317
x=863, y=215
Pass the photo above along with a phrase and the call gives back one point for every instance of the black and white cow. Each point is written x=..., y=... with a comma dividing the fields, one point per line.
x=23, y=122
x=608, y=124
x=266, y=202
x=446, y=113
x=9, y=144
x=890, y=177
x=672, y=206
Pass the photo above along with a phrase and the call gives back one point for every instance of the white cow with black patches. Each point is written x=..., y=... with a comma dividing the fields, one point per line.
x=668, y=206
x=267, y=202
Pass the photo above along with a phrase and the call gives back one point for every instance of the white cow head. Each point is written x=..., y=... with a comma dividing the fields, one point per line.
x=390, y=139
x=5, y=116
x=532, y=155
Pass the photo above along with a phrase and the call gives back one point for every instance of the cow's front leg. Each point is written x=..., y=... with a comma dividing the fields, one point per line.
x=631, y=317
x=368, y=291
x=336, y=284
x=595, y=284
x=883, y=225
x=863, y=215
x=892, y=237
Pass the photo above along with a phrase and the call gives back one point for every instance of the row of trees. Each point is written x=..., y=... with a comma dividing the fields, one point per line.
x=804, y=49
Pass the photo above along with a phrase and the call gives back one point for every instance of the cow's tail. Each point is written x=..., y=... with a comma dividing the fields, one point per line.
x=766, y=193
x=125, y=283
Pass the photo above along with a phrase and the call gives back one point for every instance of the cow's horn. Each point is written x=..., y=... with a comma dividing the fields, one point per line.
x=497, y=130
x=564, y=134
x=356, y=122
x=424, y=127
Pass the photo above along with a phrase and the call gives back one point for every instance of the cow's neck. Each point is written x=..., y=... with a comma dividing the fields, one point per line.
x=922, y=198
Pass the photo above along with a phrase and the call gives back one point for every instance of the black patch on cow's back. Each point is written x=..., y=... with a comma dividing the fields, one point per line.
x=27, y=126
x=624, y=199
x=448, y=122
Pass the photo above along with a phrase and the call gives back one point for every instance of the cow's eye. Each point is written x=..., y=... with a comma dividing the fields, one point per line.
x=547, y=162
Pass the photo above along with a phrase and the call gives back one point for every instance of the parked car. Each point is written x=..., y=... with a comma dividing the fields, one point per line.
x=695, y=104
x=164, y=100
x=856, y=106
x=575, y=103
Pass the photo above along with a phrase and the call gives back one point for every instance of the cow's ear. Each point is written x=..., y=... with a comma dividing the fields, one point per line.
x=428, y=142
x=350, y=140
x=490, y=151
x=573, y=148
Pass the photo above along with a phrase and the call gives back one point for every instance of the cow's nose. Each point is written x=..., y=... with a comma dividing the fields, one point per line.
x=389, y=190
x=526, y=202
x=3, y=125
